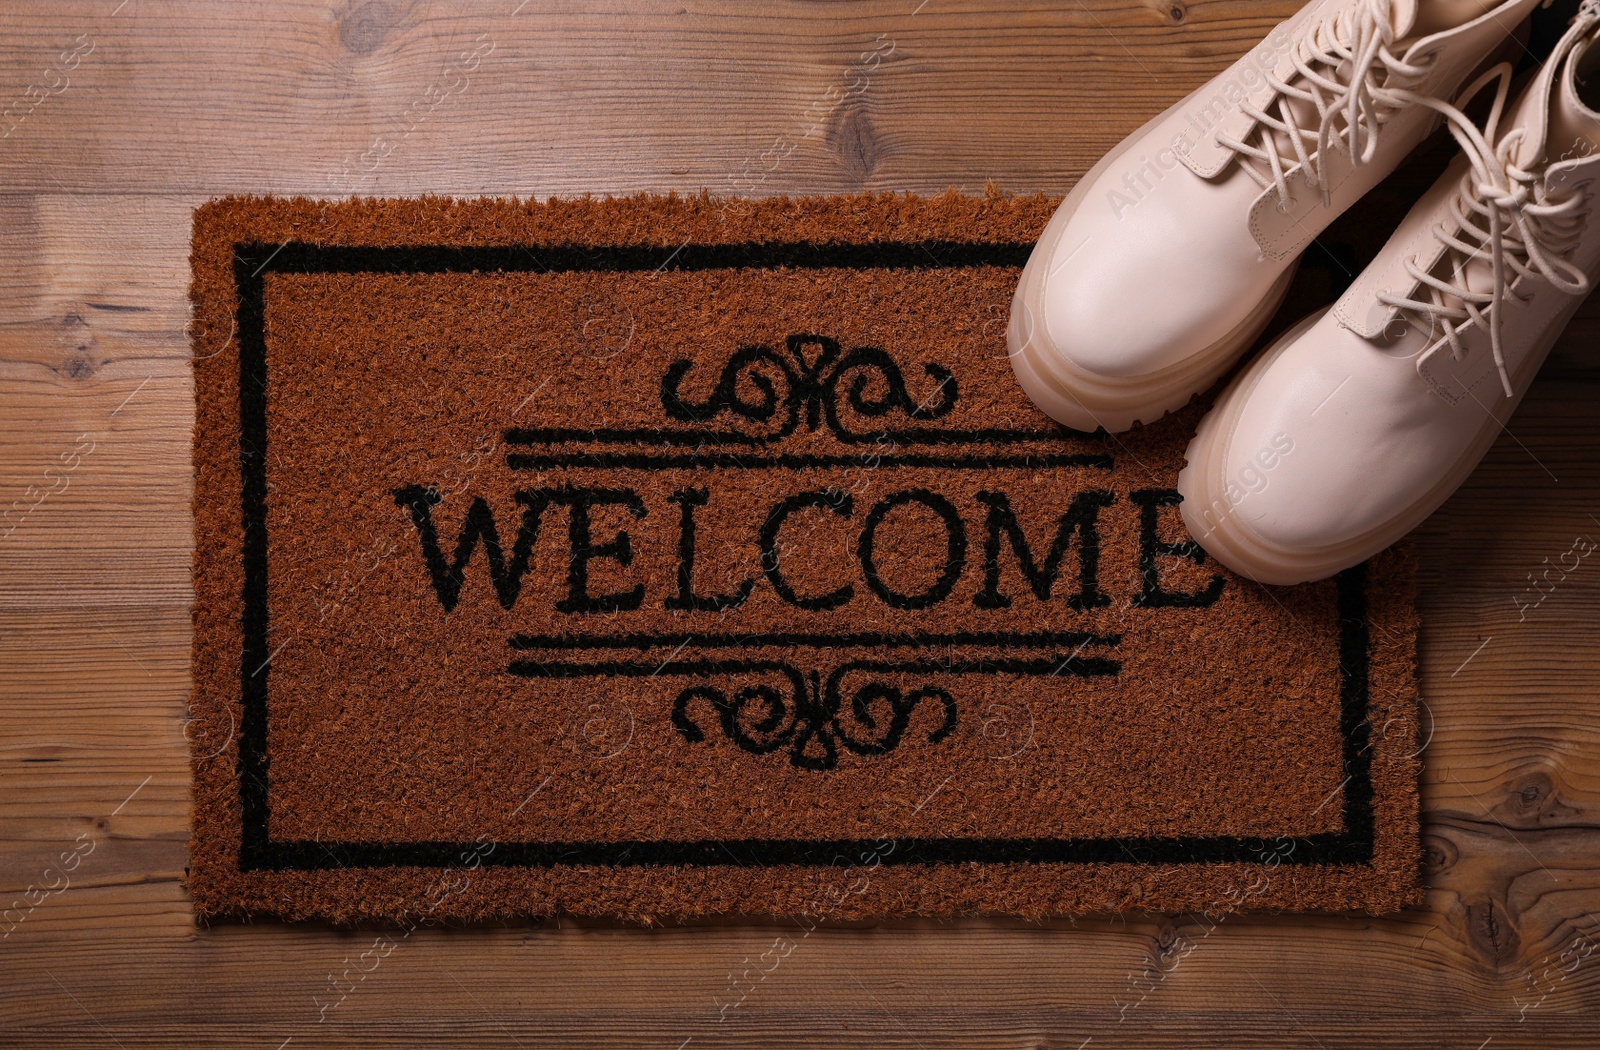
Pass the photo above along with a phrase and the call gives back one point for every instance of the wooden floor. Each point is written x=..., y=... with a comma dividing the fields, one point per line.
x=124, y=116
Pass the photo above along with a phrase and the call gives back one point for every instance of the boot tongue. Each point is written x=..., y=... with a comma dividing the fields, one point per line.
x=1425, y=19
x=1403, y=16
x=1574, y=128
x=1556, y=124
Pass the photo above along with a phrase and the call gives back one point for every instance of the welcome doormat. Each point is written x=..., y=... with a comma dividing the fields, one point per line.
x=661, y=557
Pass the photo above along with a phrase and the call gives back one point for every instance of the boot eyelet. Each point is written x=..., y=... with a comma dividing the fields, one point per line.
x=1286, y=207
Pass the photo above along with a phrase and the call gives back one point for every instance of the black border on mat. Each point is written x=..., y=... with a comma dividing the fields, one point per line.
x=258, y=851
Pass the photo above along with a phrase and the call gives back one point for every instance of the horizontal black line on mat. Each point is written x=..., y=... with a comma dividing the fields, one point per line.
x=699, y=438
x=299, y=855
x=1049, y=666
x=302, y=257
x=1039, y=640
x=732, y=460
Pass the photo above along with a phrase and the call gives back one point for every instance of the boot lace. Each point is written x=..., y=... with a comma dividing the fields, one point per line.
x=1345, y=70
x=1499, y=211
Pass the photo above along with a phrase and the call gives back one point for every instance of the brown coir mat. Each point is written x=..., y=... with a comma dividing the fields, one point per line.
x=662, y=557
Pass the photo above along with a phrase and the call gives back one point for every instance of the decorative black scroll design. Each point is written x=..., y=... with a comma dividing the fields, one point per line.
x=813, y=721
x=758, y=384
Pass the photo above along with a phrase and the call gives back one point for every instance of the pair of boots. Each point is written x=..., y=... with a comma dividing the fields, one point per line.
x=1170, y=256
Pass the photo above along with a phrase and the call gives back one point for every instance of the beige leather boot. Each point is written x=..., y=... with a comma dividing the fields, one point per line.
x=1169, y=257
x=1357, y=424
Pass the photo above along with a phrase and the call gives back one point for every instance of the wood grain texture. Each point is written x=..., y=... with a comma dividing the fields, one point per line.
x=176, y=102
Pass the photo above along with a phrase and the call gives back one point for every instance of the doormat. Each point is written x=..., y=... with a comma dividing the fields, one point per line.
x=660, y=557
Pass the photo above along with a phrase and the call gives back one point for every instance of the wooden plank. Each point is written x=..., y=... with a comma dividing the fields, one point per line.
x=548, y=100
